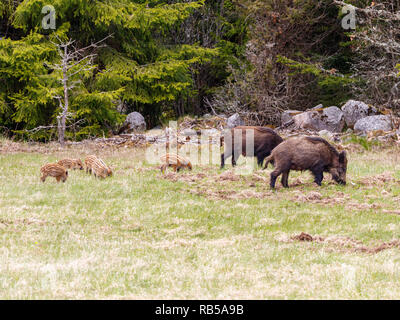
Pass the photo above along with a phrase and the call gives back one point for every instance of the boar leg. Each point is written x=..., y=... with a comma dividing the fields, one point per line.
x=318, y=173
x=260, y=159
x=227, y=153
x=235, y=158
x=318, y=178
x=274, y=176
x=58, y=179
x=285, y=178
x=225, y=156
x=281, y=167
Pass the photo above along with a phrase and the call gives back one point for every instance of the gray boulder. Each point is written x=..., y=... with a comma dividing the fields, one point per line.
x=189, y=132
x=234, y=121
x=356, y=110
x=287, y=116
x=333, y=119
x=310, y=120
x=372, y=123
x=330, y=119
x=134, y=122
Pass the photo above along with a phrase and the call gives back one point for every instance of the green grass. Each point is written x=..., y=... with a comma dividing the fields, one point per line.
x=141, y=235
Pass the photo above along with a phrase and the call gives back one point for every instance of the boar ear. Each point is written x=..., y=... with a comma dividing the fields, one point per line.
x=343, y=157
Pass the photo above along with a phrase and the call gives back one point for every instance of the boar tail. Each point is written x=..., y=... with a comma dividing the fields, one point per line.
x=268, y=160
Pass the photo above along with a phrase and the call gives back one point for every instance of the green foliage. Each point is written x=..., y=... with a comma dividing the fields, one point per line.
x=25, y=94
x=333, y=88
x=143, y=64
x=363, y=141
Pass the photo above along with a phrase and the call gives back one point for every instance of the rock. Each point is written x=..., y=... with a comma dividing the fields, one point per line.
x=310, y=120
x=189, y=132
x=134, y=122
x=210, y=132
x=287, y=116
x=330, y=119
x=333, y=119
x=356, y=110
x=234, y=121
x=207, y=115
x=373, y=123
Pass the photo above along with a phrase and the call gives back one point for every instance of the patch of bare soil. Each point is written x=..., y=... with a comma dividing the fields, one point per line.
x=346, y=244
x=141, y=169
x=396, y=212
x=316, y=197
x=230, y=194
x=9, y=146
x=301, y=182
x=228, y=176
x=379, y=179
x=255, y=178
x=185, y=177
x=21, y=222
x=362, y=206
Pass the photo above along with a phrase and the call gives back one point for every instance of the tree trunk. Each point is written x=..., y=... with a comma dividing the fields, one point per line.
x=61, y=123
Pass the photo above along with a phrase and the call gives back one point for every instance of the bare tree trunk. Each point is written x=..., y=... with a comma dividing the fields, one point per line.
x=73, y=62
x=66, y=103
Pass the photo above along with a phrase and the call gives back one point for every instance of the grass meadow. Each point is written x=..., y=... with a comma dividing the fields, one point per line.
x=201, y=234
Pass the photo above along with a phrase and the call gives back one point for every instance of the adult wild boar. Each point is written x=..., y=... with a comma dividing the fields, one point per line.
x=307, y=153
x=265, y=140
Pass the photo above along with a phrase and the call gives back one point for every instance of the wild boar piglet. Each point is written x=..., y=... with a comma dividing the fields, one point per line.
x=71, y=163
x=53, y=170
x=175, y=161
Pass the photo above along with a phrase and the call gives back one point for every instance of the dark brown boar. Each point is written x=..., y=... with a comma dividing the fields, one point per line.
x=307, y=153
x=265, y=140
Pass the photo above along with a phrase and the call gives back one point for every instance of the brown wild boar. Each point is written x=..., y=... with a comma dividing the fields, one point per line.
x=307, y=153
x=265, y=140
x=71, y=163
x=54, y=170
x=97, y=167
x=175, y=161
x=89, y=160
